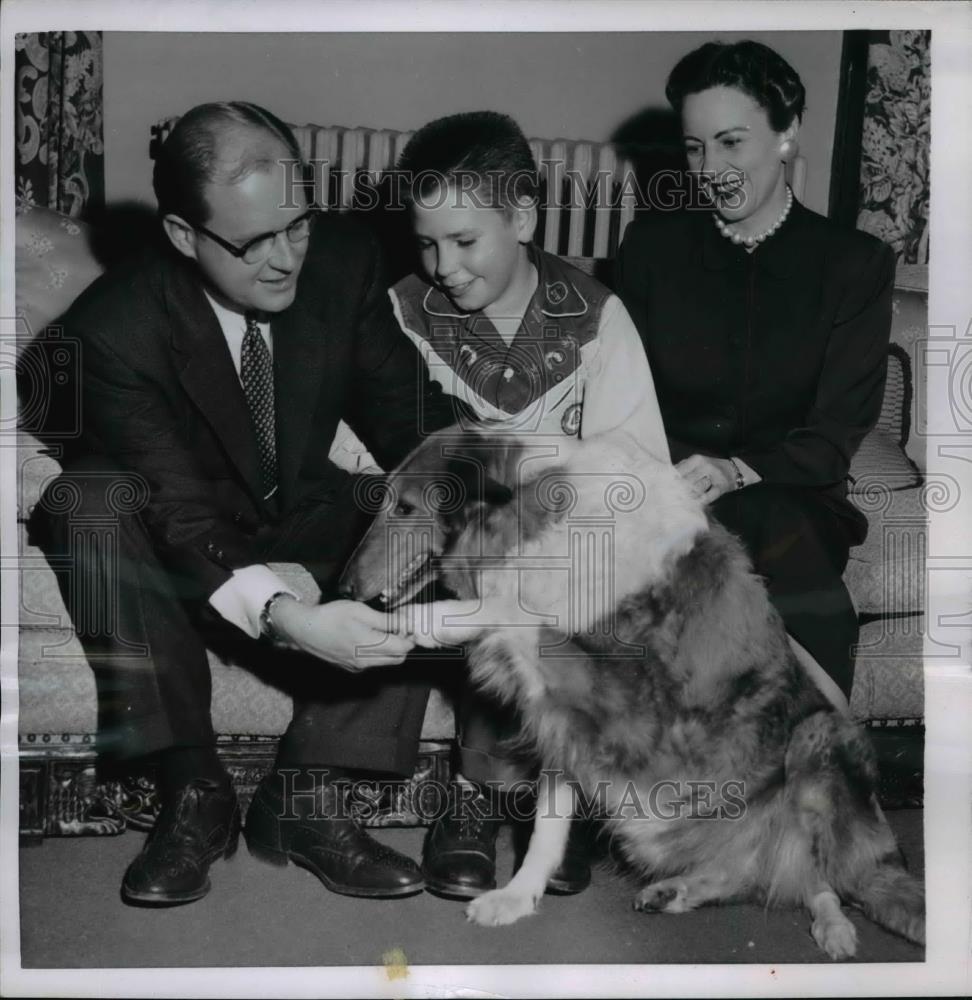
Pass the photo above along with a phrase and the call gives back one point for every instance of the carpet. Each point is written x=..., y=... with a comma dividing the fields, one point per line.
x=256, y=915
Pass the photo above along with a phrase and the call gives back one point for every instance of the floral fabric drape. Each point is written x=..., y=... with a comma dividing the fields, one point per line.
x=894, y=154
x=60, y=130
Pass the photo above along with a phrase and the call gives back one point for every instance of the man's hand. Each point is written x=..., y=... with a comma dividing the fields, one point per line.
x=708, y=477
x=345, y=633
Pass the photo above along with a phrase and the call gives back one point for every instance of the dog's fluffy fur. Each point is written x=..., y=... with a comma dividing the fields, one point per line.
x=643, y=656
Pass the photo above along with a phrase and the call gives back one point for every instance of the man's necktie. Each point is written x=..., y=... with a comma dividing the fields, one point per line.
x=256, y=374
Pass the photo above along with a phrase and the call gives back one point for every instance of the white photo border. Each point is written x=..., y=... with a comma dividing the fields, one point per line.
x=948, y=788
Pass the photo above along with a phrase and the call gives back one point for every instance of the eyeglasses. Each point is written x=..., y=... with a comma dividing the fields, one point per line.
x=258, y=249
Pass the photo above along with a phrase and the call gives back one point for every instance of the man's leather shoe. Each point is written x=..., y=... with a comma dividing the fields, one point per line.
x=320, y=835
x=197, y=825
x=459, y=857
x=574, y=873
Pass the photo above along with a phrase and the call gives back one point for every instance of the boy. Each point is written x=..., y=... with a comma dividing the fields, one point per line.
x=529, y=344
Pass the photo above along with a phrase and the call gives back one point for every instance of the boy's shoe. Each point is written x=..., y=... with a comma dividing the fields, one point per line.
x=197, y=825
x=459, y=856
x=574, y=873
x=320, y=835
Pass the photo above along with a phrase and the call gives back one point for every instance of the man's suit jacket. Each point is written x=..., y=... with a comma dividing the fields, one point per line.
x=161, y=396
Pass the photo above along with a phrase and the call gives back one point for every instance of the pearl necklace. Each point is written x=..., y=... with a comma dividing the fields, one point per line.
x=751, y=241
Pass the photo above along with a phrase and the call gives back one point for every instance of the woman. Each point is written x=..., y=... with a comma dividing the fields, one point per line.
x=767, y=329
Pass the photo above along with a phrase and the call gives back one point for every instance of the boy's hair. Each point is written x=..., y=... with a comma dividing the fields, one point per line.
x=481, y=152
x=222, y=142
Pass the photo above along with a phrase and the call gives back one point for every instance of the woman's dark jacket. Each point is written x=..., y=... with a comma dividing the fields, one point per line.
x=777, y=357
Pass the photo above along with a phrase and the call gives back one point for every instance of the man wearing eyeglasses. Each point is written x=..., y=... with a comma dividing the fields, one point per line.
x=214, y=376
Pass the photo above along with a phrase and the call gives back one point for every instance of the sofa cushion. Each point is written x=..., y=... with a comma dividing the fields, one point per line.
x=889, y=679
x=57, y=694
x=886, y=575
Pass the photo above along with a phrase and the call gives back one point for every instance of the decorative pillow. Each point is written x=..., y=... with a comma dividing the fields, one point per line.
x=54, y=263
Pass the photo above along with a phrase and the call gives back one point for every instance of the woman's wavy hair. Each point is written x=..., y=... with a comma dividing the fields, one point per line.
x=749, y=66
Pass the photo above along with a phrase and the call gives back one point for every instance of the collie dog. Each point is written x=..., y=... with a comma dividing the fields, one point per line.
x=652, y=675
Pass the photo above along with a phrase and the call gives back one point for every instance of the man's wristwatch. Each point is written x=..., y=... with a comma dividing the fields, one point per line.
x=740, y=478
x=266, y=616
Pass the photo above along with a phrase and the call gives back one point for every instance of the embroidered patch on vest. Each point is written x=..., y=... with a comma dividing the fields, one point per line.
x=556, y=292
x=555, y=359
x=571, y=420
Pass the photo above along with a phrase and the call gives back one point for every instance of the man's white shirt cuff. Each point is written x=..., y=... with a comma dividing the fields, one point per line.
x=242, y=598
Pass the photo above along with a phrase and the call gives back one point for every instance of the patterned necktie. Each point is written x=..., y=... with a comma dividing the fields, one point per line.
x=256, y=374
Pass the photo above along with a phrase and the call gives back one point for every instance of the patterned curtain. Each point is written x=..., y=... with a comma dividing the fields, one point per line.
x=894, y=155
x=60, y=150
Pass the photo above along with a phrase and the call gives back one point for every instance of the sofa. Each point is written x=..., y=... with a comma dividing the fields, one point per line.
x=64, y=790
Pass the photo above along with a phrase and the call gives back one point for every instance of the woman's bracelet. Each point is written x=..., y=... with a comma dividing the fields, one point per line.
x=740, y=478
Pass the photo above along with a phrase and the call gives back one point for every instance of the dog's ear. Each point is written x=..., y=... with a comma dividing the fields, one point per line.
x=477, y=482
x=494, y=492
x=497, y=493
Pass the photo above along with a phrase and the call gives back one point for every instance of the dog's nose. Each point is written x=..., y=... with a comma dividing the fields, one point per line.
x=346, y=589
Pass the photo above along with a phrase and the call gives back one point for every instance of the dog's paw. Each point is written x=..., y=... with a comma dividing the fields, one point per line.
x=836, y=935
x=498, y=907
x=670, y=896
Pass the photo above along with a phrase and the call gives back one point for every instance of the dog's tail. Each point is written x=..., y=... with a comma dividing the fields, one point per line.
x=831, y=775
x=893, y=898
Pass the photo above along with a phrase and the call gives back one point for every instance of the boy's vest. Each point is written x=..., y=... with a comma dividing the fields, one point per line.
x=534, y=384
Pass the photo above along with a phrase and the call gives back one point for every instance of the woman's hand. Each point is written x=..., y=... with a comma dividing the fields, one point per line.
x=709, y=477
